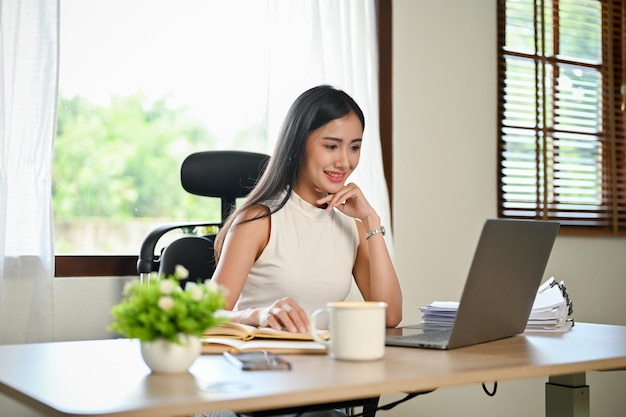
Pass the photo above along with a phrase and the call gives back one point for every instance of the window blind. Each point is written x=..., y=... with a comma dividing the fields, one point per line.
x=561, y=146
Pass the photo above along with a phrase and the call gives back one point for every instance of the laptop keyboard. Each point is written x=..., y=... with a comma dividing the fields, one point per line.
x=430, y=336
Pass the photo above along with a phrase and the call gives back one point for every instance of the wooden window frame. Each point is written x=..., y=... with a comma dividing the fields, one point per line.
x=608, y=217
x=126, y=265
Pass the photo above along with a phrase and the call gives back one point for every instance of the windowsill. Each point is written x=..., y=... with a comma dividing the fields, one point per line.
x=95, y=266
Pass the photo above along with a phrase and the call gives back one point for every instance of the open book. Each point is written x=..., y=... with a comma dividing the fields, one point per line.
x=247, y=332
x=236, y=337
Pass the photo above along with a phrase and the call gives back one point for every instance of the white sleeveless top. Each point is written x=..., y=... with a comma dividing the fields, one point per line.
x=309, y=257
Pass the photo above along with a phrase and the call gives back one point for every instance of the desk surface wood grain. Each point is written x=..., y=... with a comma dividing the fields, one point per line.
x=109, y=378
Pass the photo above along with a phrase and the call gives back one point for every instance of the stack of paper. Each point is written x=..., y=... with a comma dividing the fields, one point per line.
x=551, y=310
x=440, y=312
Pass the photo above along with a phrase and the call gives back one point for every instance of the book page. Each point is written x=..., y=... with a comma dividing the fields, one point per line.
x=247, y=332
x=233, y=330
x=225, y=344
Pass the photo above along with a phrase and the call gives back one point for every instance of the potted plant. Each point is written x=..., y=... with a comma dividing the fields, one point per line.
x=167, y=319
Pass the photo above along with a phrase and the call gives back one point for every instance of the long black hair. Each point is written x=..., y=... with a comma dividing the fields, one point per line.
x=310, y=111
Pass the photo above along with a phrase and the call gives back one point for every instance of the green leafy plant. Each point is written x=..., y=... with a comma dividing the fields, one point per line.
x=160, y=308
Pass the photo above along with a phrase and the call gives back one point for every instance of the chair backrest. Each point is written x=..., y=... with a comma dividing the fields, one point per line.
x=193, y=252
x=227, y=175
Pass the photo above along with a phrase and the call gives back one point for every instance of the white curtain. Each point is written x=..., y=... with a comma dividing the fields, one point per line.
x=332, y=42
x=311, y=42
x=28, y=89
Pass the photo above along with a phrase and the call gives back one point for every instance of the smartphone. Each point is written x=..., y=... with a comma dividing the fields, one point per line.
x=257, y=361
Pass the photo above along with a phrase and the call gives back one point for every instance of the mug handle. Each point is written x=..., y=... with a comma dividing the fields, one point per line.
x=315, y=330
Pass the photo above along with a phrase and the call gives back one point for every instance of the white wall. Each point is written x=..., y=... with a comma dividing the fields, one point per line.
x=82, y=307
x=444, y=153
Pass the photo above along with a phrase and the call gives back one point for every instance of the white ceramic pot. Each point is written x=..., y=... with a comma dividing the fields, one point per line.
x=163, y=356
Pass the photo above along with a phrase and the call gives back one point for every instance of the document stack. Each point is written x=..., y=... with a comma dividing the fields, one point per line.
x=552, y=309
x=551, y=312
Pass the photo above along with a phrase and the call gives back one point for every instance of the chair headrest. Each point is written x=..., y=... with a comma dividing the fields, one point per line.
x=225, y=174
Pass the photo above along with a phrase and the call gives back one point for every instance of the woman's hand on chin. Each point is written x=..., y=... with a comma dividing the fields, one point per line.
x=350, y=200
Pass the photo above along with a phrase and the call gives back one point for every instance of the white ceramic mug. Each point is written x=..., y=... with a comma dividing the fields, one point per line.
x=357, y=329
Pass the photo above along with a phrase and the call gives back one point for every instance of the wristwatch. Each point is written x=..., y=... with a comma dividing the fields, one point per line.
x=375, y=232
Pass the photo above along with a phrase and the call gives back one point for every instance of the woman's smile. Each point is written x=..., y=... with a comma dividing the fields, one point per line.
x=336, y=177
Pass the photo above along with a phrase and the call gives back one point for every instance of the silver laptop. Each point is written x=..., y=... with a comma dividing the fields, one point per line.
x=500, y=289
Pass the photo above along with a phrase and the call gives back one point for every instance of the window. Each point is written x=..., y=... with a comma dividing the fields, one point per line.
x=160, y=116
x=146, y=95
x=562, y=149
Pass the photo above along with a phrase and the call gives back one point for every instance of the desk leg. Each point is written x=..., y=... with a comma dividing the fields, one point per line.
x=567, y=396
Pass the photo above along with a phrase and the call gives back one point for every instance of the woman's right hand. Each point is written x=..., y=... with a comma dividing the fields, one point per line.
x=284, y=314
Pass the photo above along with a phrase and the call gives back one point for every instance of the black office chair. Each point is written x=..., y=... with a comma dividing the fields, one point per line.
x=227, y=175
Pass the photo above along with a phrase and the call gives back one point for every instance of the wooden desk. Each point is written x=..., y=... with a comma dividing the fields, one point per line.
x=109, y=378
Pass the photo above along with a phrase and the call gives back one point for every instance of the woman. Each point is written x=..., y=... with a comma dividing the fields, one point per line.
x=303, y=234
